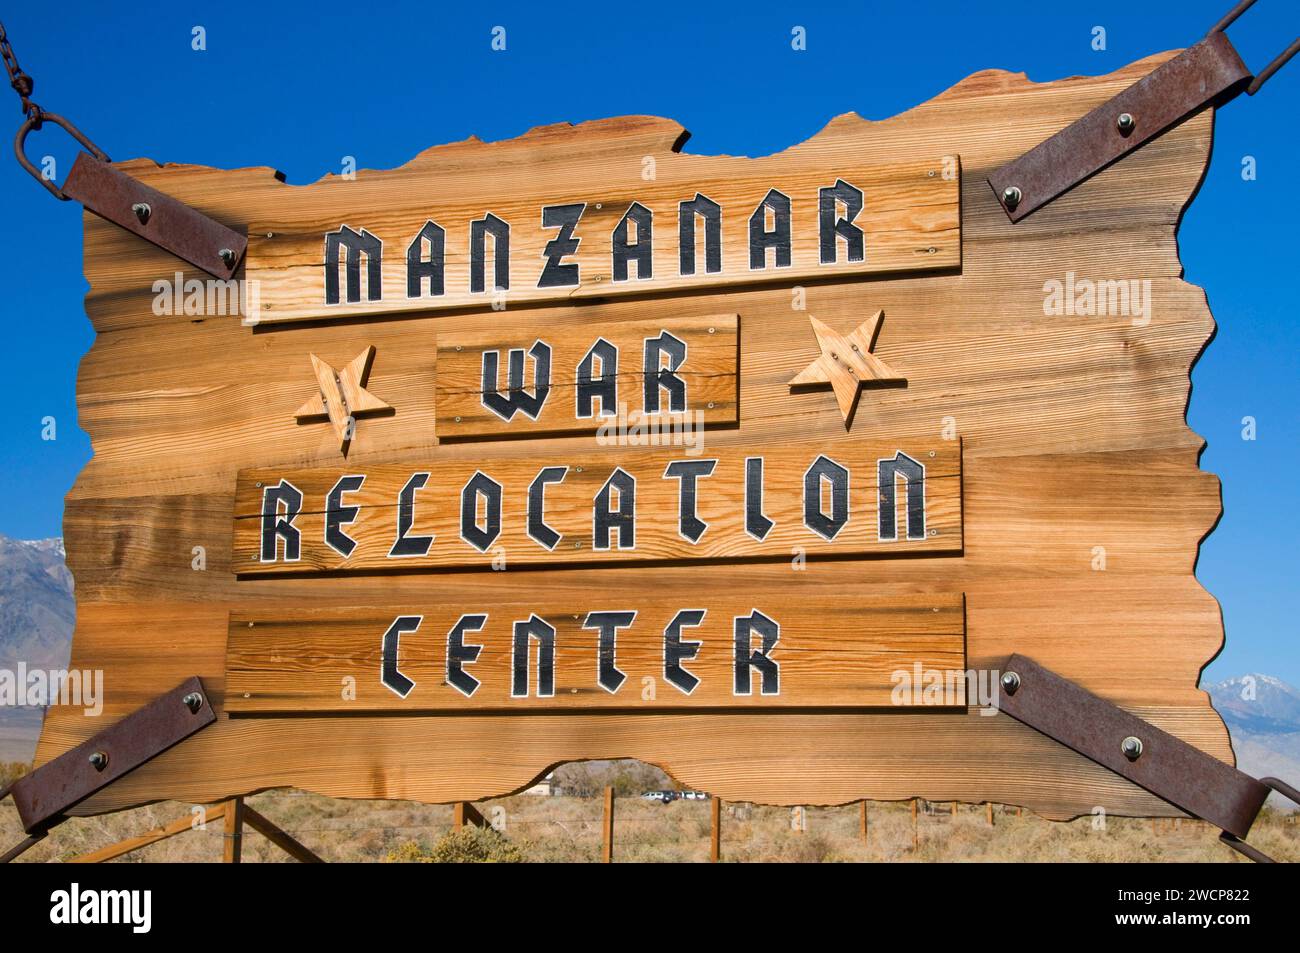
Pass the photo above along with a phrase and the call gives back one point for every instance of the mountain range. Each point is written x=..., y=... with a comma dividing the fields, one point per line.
x=36, y=619
x=1263, y=717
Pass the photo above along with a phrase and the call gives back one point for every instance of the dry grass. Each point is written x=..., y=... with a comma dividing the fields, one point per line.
x=567, y=829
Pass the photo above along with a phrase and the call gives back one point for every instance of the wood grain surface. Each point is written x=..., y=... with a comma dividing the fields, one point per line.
x=710, y=374
x=1076, y=456
x=859, y=650
x=568, y=507
x=909, y=221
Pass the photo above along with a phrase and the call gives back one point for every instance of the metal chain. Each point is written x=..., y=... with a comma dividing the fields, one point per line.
x=37, y=117
x=20, y=81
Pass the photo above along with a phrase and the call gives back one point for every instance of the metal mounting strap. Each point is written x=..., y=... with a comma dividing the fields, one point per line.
x=1208, y=73
x=44, y=795
x=1137, y=750
x=1165, y=97
x=155, y=216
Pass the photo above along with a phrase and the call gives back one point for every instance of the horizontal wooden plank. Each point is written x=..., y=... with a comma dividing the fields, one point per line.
x=708, y=367
x=906, y=214
x=835, y=648
x=451, y=525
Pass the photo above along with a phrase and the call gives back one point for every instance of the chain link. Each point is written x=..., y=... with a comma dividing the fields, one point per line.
x=20, y=81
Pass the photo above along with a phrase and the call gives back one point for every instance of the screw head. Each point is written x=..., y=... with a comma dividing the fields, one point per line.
x=1132, y=747
x=1125, y=123
x=142, y=211
x=1010, y=682
x=99, y=760
x=1011, y=196
x=228, y=257
x=194, y=701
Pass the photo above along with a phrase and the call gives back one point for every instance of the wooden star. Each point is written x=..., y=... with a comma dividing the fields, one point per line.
x=342, y=397
x=846, y=363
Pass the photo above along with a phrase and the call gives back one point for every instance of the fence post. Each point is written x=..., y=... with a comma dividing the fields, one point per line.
x=715, y=838
x=232, y=844
x=465, y=813
x=607, y=853
x=916, y=834
x=989, y=812
x=865, y=830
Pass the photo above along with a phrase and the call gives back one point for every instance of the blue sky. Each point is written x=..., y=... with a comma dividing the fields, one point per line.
x=298, y=86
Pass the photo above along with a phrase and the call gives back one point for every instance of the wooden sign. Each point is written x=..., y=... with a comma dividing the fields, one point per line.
x=537, y=231
x=607, y=651
x=1046, y=493
x=662, y=377
x=845, y=497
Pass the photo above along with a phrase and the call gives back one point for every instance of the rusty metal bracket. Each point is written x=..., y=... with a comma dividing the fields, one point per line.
x=156, y=217
x=43, y=796
x=171, y=225
x=1137, y=750
x=1209, y=73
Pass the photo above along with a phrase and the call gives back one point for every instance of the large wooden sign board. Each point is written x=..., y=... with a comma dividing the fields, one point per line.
x=580, y=446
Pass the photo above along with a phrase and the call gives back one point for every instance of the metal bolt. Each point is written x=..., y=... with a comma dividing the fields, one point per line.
x=1010, y=682
x=1132, y=747
x=578, y=545
x=99, y=760
x=228, y=257
x=1011, y=196
x=270, y=234
x=457, y=420
x=193, y=701
x=710, y=405
x=142, y=211
x=459, y=347
x=931, y=453
x=1125, y=123
x=712, y=330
